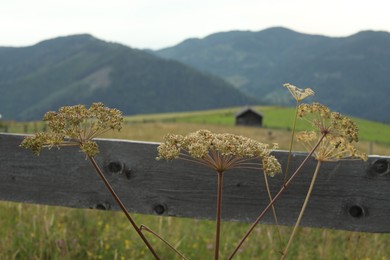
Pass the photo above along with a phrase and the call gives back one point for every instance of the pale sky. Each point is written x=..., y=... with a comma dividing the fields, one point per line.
x=162, y=23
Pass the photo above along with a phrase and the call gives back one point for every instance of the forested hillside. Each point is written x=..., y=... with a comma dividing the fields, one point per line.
x=83, y=69
x=350, y=74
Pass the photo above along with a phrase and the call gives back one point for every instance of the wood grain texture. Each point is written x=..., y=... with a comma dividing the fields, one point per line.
x=348, y=195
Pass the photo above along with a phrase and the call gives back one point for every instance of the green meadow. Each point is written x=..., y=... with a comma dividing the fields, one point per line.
x=274, y=118
x=47, y=232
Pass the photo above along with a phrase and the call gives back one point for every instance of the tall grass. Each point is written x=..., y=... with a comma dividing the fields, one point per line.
x=43, y=232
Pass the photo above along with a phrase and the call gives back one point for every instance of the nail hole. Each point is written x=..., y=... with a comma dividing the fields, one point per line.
x=356, y=211
x=128, y=173
x=102, y=206
x=159, y=209
x=115, y=167
x=380, y=166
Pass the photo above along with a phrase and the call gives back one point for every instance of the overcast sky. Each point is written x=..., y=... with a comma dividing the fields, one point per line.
x=161, y=23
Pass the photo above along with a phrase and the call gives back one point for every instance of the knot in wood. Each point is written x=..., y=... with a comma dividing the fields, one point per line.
x=357, y=211
x=103, y=206
x=115, y=167
x=159, y=209
x=381, y=166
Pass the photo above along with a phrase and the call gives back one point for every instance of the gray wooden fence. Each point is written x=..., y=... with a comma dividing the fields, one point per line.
x=348, y=195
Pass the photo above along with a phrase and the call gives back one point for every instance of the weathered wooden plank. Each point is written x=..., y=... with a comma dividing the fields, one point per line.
x=348, y=195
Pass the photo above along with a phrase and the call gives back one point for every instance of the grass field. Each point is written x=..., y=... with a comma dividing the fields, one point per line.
x=274, y=118
x=46, y=232
x=43, y=232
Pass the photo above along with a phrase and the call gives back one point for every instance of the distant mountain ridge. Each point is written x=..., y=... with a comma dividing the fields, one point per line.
x=82, y=69
x=350, y=74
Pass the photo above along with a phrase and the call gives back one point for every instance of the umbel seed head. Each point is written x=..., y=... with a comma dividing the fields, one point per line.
x=220, y=152
x=340, y=133
x=297, y=93
x=75, y=126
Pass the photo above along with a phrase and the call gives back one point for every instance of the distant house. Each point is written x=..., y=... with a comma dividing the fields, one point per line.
x=249, y=117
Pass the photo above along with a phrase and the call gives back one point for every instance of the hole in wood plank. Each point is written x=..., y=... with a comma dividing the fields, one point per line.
x=356, y=211
x=381, y=166
x=115, y=167
x=159, y=209
x=102, y=206
x=128, y=173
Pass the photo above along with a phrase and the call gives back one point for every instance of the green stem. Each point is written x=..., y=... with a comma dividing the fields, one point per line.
x=218, y=220
x=122, y=206
x=291, y=143
x=302, y=210
x=282, y=189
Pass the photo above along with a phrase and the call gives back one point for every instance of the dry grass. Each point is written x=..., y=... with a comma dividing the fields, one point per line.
x=155, y=131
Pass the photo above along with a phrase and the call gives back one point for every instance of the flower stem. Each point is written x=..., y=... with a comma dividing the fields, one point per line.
x=291, y=143
x=218, y=221
x=122, y=206
x=273, y=211
x=143, y=227
x=302, y=210
x=282, y=189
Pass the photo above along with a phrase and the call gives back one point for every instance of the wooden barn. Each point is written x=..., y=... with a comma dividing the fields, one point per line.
x=249, y=117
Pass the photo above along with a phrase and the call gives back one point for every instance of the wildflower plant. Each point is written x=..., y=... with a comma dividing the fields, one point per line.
x=219, y=152
x=77, y=126
x=332, y=138
x=335, y=135
x=299, y=95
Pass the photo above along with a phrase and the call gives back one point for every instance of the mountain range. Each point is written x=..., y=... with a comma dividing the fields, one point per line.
x=236, y=68
x=349, y=74
x=82, y=69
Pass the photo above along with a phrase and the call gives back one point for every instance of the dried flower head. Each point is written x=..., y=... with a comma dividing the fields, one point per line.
x=297, y=93
x=220, y=152
x=340, y=133
x=75, y=126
